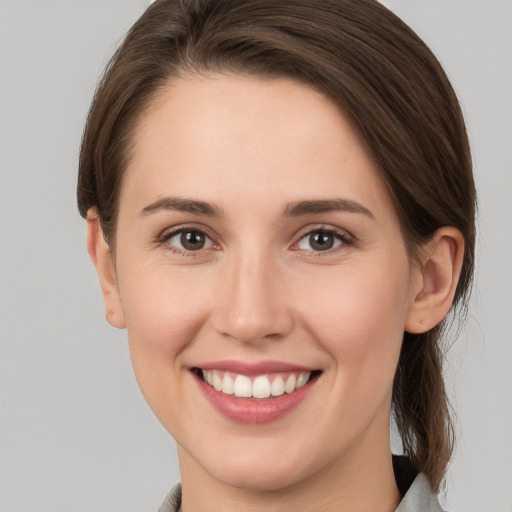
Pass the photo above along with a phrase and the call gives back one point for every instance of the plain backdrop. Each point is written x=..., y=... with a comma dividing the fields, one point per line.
x=75, y=432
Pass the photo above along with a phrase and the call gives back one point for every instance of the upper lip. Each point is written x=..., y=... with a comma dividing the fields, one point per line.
x=251, y=369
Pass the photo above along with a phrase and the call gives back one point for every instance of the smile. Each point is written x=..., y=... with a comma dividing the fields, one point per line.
x=260, y=386
x=255, y=393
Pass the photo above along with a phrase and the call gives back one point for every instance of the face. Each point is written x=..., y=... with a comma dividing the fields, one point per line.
x=258, y=249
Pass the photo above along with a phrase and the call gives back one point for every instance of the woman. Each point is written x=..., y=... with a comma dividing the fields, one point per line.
x=280, y=209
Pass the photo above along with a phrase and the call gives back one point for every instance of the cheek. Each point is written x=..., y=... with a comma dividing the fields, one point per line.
x=162, y=315
x=162, y=308
x=358, y=318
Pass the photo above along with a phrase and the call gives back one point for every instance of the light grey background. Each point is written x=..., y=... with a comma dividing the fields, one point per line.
x=75, y=433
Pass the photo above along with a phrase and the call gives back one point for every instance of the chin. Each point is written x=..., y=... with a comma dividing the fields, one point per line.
x=256, y=478
x=257, y=470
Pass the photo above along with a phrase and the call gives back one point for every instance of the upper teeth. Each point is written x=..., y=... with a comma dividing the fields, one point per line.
x=262, y=386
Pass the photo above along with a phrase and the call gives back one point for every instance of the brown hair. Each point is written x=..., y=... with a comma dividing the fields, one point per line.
x=380, y=74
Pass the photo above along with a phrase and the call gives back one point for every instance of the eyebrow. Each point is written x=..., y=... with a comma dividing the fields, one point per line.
x=326, y=205
x=295, y=209
x=180, y=204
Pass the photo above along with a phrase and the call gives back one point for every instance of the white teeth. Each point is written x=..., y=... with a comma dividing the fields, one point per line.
x=277, y=387
x=217, y=382
x=289, y=385
x=228, y=384
x=262, y=386
x=303, y=378
x=243, y=386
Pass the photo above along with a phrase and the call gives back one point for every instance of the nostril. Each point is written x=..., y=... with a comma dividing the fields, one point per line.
x=255, y=328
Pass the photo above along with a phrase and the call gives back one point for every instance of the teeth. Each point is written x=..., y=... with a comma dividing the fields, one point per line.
x=243, y=386
x=217, y=382
x=289, y=385
x=262, y=386
x=228, y=384
x=277, y=387
x=302, y=379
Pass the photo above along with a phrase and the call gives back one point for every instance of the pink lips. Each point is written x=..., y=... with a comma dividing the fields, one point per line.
x=250, y=410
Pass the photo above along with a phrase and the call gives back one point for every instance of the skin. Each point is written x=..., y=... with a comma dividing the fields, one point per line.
x=259, y=290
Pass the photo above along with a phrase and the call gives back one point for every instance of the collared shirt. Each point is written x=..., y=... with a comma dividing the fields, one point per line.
x=417, y=496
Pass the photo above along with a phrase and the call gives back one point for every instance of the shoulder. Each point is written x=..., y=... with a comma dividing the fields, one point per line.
x=172, y=502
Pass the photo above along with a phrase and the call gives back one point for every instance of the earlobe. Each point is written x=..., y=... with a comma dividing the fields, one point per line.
x=437, y=280
x=101, y=256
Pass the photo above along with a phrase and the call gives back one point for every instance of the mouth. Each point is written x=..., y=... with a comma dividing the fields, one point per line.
x=254, y=393
x=265, y=386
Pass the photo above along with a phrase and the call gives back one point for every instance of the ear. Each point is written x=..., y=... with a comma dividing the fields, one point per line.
x=436, y=281
x=101, y=256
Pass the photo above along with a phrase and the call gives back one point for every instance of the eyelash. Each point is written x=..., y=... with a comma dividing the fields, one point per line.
x=344, y=239
x=164, y=238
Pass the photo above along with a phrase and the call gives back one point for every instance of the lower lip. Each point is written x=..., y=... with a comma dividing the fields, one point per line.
x=254, y=411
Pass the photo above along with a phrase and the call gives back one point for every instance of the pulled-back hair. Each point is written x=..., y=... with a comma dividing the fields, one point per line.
x=380, y=74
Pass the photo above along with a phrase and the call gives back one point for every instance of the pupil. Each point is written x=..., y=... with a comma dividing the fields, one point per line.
x=321, y=241
x=192, y=240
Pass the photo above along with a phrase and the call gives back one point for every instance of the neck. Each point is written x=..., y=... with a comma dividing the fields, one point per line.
x=354, y=484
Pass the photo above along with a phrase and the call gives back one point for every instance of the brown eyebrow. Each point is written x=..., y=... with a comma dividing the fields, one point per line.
x=292, y=210
x=326, y=205
x=182, y=205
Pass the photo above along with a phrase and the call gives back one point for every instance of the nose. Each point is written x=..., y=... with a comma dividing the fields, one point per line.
x=253, y=305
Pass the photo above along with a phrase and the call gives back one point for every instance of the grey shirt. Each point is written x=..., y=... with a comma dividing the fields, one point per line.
x=418, y=498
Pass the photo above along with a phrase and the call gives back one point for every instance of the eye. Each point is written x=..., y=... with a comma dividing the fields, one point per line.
x=189, y=240
x=321, y=240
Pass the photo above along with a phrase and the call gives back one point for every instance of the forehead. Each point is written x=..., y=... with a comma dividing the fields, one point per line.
x=206, y=135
